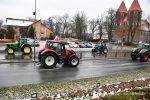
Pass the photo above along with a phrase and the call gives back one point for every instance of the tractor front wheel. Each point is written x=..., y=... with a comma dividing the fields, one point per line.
x=10, y=51
x=49, y=61
x=27, y=50
x=133, y=56
x=105, y=51
x=74, y=61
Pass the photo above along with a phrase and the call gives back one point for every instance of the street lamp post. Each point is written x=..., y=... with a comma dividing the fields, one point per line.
x=34, y=29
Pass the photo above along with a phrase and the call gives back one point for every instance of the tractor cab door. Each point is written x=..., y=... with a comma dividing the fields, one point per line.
x=22, y=41
x=56, y=47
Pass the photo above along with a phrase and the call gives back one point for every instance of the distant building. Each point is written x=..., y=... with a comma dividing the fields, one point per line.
x=145, y=31
x=42, y=31
x=122, y=22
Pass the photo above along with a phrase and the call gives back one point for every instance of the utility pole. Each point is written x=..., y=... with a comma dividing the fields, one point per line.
x=34, y=29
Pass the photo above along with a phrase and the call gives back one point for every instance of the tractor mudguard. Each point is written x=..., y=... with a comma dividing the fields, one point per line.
x=72, y=56
x=46, y=51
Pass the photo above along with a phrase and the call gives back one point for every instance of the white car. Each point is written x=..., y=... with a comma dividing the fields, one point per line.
x=31, y=42
x=73, y=45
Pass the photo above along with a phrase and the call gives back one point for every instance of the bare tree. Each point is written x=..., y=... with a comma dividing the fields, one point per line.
x=100, y=23
x=110, y=23
x=57, y=20
x=3, y=32
x=80, y=24
x=93, y=25
x=1, y=23
x=65, y=23
x=134, y=20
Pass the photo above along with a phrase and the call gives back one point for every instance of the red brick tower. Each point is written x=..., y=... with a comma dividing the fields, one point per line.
x=125, y=18
x=121, y=17
x=134, y=20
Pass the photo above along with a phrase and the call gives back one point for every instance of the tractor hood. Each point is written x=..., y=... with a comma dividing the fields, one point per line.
x=70, y=51
x=12, y=44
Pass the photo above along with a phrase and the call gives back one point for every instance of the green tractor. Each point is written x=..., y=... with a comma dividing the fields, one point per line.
x=142, y=52
x=20, y=46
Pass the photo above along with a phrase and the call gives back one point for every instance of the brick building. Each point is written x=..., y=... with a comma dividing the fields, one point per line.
x=128, y=22
x=42, y=31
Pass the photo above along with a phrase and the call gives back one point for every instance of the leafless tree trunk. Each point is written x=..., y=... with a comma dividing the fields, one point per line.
x=134, y=20
x=100, y=22
x=93, y=24
x=1, y=23
x=80, y=24
x=65, y=23
x=110, y=23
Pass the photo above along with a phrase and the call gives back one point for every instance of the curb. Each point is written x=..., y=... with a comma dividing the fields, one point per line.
x=4, y=61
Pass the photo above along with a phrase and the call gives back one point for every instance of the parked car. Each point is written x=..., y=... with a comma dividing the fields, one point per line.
x=88, y=45
x=82, y=45
x=73, y=45
x=31, y=42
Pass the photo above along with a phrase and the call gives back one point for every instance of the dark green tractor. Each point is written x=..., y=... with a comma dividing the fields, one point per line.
x=142, y=52
x=100, y=48
x=20, y=46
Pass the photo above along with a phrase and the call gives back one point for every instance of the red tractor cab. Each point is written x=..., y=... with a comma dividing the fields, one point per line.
x=56, y=52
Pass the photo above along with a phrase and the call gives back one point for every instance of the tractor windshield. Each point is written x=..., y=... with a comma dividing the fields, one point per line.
x=140, y=46
x=55, y=46
x=143, y=46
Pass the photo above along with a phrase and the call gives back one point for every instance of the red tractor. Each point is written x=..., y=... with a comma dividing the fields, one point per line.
x=56, y=52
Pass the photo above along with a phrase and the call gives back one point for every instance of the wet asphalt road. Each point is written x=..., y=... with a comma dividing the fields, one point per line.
x=28, y=73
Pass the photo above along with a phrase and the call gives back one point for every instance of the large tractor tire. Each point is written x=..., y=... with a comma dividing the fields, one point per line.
x=93, y=50
x=105, y=51
x=10, y=51
x=49, y=60
x=26, y=49
x=74, y=61
x=133, y=56
x=144, y=57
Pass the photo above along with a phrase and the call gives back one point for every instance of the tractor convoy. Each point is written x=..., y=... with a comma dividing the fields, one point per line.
x=55, y=52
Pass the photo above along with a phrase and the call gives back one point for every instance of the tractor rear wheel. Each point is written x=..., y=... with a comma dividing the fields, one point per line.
x=10, y=51
x=27, y=50
x=74, y=61
x=49, y=61
x=145, y=57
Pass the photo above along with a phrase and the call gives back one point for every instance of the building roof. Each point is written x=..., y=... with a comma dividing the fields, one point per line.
x=18, y=22
x=135, y=6
x=41, y=24
x=122, y=7
x=145, y=25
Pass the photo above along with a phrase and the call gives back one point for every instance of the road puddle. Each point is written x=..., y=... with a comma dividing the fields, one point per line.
x=18, y=57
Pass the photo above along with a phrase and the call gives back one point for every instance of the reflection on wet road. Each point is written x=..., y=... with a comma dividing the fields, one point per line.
x=28, y=73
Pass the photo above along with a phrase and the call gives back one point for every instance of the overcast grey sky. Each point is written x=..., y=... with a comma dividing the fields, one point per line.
x=46, y=8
